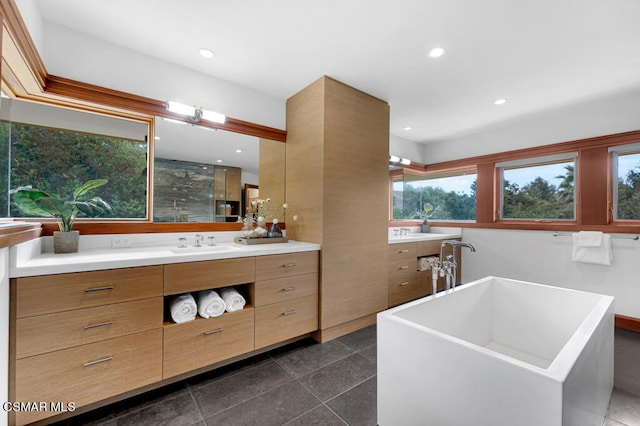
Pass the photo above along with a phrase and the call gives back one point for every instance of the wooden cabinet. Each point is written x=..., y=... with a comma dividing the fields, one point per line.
x=286, y=297
x=90, y=336
x=406, y=282
x=87, y=336
x=402, y=273
x=196, y=344
x=341, y=203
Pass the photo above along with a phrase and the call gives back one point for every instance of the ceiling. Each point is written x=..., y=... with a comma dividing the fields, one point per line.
x=538, y=54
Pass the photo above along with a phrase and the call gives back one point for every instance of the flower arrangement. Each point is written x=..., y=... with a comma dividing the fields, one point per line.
x=258, y=212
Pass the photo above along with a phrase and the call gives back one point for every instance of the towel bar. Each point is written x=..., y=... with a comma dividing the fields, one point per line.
x=621, y=237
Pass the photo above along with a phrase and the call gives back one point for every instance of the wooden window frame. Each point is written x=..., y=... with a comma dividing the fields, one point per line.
x=593, y=187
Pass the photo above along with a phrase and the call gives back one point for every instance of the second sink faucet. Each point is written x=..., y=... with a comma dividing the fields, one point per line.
x=199, y=240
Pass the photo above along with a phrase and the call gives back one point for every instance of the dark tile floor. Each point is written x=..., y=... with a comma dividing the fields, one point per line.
x=307, y=383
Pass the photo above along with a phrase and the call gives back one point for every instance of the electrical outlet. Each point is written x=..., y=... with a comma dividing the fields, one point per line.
x=120, y=242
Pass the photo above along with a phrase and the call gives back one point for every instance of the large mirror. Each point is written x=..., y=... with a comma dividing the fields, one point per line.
x=199, y=174
x=207, y=175
x=56, y=149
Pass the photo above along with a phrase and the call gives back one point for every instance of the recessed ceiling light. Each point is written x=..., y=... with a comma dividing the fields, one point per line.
x=408, y=128
x=207, y=53
x=500, y=101
x=156, y=138
x=436, y=52
x=218, y=161
x=238, y=151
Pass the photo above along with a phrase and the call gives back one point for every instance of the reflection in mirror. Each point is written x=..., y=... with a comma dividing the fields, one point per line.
x=56, y=149
x=200, y=173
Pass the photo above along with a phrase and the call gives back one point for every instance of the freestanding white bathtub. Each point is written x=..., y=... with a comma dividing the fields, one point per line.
x=497, y=352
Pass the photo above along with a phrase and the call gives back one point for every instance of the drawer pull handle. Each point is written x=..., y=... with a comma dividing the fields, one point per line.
x=217, y=330
x=288, y=289
x=102, y=324
x=403, y=251
x=403, y=267
x=289, y=265
x=90, y=290
x=291, y=312
x=404, y=283
x=98, y=361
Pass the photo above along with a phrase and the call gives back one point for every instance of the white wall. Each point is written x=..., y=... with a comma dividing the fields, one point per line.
x=596, y=117
x=117, y=67
x=539, y=257
x=4, y=331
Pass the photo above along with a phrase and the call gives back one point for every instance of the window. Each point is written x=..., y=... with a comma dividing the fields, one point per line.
x=37, y=152
x=626, y=178
x=539, y=188
x=450, y=196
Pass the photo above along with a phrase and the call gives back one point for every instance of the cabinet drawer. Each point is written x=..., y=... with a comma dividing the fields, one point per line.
x=425, y=286
x=281, y=289
x=89, y=373
x=284, y=320
x=63, y=292
x=51, y=332
x=402, y=251
x=202, y=342
x=194, y=276
x=430, y=248
x=401, y=291
x=403, y=266
x=285, y=265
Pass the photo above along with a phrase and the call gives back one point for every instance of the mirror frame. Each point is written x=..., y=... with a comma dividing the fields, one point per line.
x=24, y=76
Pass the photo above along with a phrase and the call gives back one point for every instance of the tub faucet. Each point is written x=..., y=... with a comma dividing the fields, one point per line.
x=446, y=267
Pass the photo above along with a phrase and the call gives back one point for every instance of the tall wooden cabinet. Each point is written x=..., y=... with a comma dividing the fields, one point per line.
x=337, y=156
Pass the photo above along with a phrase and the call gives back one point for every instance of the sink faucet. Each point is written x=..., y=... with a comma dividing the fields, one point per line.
x=446, y=267
x=199, y=240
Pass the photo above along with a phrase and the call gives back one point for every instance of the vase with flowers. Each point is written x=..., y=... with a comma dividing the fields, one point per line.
x=258, y=212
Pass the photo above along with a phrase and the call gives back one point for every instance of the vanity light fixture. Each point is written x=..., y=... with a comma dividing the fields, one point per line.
x=195, y=114
x=436, y=52
x=207, y=53
x=396, y=159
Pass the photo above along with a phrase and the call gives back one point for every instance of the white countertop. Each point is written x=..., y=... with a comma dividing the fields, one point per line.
x=29, y=258
x=413, y=234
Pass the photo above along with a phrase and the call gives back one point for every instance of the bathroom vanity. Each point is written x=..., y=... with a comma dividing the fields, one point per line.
x=406, y=282
x=95, y=327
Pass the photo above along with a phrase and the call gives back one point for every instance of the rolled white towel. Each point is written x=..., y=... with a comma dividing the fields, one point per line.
x=210, y=304
x=233, y=299
x=183, y=308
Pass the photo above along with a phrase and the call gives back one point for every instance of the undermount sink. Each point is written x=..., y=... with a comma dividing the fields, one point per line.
x=203, y=249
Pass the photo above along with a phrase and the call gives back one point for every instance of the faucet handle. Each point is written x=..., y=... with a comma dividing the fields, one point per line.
x=181, y=242
x=212, y=240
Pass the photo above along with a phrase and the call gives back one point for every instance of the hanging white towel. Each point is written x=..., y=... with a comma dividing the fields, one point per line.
x=210, y=304
x=587, y=250
x=233, y=299
x=590, y=238
x=183, y=308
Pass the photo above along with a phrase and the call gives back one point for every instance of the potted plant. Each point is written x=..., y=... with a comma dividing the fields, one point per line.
x=425, y=214
x=40, y=203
